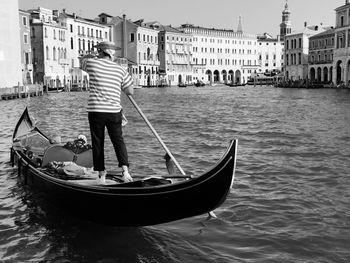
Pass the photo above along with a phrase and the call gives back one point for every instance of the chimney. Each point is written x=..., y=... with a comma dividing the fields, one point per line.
x=346, y=2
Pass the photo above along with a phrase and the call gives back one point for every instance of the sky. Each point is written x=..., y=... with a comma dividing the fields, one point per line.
x=258, y=16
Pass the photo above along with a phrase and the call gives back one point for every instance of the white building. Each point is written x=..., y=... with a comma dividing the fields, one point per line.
x=222, y=56
x=26, y=47
x=10, y=54
x=49, y=46
x=175, y=55
x=270, y=54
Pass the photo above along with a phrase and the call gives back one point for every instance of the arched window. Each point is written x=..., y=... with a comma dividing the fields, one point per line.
x=148, y=53
x=47, y=53
x=54, y=53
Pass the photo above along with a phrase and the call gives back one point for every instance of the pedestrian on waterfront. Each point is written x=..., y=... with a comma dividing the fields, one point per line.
x=107, y=81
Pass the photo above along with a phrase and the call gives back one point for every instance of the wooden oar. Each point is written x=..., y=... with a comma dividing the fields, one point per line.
x=156, y=134
x=211, y=213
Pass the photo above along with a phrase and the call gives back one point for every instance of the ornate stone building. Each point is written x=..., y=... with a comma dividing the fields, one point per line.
x=296, y=51
x=321, y=48
x=139, y=47
x=341, y=62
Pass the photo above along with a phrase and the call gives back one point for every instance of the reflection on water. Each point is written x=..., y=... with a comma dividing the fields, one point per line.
x=289, y=201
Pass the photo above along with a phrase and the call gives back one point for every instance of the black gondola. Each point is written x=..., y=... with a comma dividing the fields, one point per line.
x=145, y=201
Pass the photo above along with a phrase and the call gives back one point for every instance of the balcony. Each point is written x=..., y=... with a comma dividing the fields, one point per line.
x=62, y=61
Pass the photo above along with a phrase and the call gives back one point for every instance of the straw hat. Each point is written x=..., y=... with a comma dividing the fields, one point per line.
x=107, y=45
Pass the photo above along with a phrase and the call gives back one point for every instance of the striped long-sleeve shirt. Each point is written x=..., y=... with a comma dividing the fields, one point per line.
x=107, y=80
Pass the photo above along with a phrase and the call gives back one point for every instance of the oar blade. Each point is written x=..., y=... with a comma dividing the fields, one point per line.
x=169, y=164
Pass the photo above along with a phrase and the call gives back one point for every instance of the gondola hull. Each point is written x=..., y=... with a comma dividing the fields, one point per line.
x=134, y=203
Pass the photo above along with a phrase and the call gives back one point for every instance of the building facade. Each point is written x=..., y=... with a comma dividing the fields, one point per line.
x=321, y=48
x=222, y=56
x=49, y=46
x=341, y=61
x=10, y=55
x=270, y=54
x=175, y=55
x=139, y=47
x=296, y=51
x=26, y=48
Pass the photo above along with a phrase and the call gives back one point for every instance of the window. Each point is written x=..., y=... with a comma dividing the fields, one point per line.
x=45, y=32
x=47, y=53
x=24, y=21
x=25, y=38
x=71, y=28
x=132, y=37
x=26, y=58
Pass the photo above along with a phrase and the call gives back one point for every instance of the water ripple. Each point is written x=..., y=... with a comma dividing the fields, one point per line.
x=289, y=201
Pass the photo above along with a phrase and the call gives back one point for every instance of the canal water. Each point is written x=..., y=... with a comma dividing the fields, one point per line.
x=289, y=203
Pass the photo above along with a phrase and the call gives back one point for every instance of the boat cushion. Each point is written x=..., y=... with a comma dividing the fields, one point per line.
x=60, y=153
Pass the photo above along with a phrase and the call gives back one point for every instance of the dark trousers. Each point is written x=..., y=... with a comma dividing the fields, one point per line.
x=113, y=121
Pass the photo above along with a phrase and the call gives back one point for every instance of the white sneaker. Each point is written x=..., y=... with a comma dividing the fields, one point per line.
x=126, y=177
x=101, y=179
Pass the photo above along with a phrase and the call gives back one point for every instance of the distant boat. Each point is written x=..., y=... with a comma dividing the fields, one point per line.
x=182, y=85
x=199, y=84
x=54, y=89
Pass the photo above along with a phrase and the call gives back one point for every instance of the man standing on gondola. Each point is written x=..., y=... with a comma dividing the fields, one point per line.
x=107, y=81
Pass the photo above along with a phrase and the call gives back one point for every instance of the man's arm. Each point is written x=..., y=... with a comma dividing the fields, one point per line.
x=83, y=61
x=129, y=90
